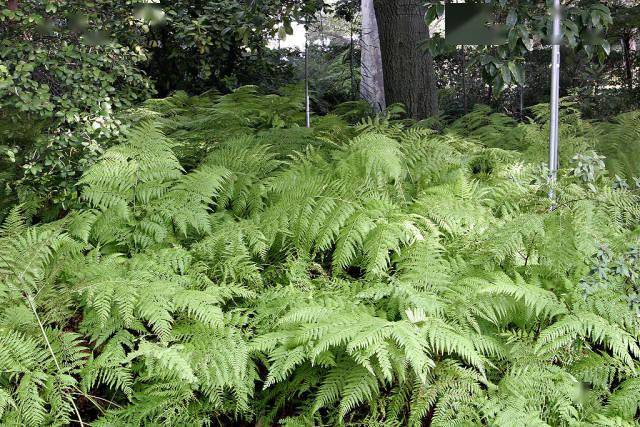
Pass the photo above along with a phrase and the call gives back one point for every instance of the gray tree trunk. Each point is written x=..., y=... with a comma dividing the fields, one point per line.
x=372, y=81
x=408, y=68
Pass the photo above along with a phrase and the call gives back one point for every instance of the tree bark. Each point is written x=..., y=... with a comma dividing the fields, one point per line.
x=13, y=4
x=407, y=67
x=372, y=81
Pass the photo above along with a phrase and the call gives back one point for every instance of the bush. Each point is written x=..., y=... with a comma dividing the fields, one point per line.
x=62, y=79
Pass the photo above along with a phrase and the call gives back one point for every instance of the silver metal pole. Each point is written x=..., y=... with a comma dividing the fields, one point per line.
x=306, y=77
x=555, y=98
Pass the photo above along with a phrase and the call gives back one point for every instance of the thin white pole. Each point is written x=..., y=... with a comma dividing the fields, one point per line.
x=555, y=98
x=306, y=76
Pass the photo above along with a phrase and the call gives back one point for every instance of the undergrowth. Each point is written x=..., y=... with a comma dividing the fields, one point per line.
x=229, y=267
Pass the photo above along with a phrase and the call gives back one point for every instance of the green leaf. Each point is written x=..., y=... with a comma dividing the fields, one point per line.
x=517, y=71
x=288, y=29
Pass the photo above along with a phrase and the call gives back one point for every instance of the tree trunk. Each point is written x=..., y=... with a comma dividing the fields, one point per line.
x=13, y=5
x=408, y=68
x=371, y=82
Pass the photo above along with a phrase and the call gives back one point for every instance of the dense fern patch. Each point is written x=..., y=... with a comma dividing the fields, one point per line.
x=230, y=268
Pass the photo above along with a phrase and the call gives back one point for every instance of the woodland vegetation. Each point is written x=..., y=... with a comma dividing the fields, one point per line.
x=178, y=248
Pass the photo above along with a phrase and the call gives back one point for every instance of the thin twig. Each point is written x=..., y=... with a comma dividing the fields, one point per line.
x=29, y=299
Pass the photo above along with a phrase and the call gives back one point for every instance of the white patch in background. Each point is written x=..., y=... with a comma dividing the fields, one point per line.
x=293, y=41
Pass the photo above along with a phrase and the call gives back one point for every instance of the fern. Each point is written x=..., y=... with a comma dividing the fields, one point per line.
x=225, y=266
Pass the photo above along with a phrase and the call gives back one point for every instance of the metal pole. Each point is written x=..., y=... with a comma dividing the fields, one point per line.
x=464, y=82
x=306, y=77
x=555, y=98
x=524, y=79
